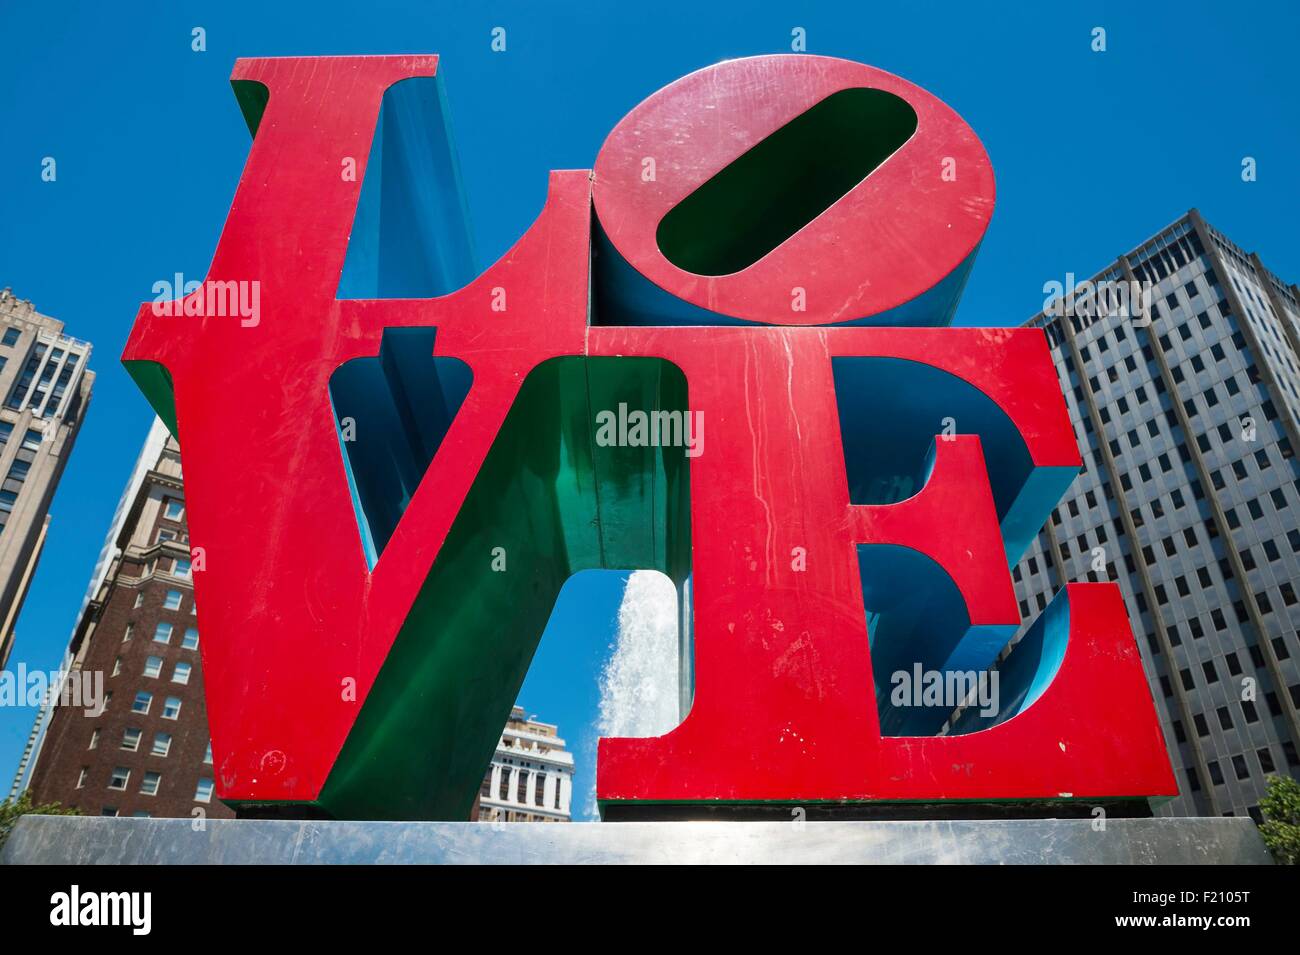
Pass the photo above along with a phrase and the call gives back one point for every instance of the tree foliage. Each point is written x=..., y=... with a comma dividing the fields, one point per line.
x=1281, y=828
x=12, y=809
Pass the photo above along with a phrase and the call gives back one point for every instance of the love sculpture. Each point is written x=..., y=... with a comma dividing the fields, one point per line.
x=392, y=469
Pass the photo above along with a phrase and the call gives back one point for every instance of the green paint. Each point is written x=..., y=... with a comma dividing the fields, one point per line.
x=155, y=381
x=784, y=182
x=558, y=504
x=252, y=97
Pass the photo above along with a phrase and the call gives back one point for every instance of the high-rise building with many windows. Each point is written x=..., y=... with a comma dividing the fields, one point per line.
x=46, y=388
x=530, y=778
x=1190, y=497
x=145, y=750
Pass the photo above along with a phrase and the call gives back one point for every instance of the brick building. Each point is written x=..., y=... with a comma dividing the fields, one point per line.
x=146, y=750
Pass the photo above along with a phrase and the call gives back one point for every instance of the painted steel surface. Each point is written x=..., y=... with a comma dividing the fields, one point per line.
x=894, y=249
x=366, y=631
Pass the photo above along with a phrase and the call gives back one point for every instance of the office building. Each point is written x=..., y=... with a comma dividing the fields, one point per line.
x=46, y=387
x=1186, y=415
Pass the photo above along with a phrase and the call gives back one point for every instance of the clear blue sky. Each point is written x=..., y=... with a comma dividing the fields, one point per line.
x=1093, y=152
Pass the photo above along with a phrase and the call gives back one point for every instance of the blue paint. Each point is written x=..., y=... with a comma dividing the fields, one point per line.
x=915, y=613
x=887, y=456
x=411, y=236
x=400, y=406
x=623, y=296
x=1028, y=670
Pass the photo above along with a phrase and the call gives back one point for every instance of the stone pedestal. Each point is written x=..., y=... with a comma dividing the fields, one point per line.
x=72, y=840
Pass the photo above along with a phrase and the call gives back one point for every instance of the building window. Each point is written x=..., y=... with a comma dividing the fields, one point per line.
x=207, y=756
x=182, y=568
x=126, y=634
x=117, y=666
x=173, y=600
x=162, y=744
x=203, y=792
x=81, y=777
x=163, y=633
x=11, y=337
x=131, y=739
x=94, y=739
x=139, y=600
x=108, y=811
x=149, y=784
x=182, y=673
x=142, y=702
x=153, y=666
x=32, y=440
x=173, y=509
x=141, y=814
x=172, y=708
x=119, y=778
x=191, y=639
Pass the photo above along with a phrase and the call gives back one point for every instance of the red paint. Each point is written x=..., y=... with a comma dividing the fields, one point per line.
x=784, y=704
x=893, y=237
